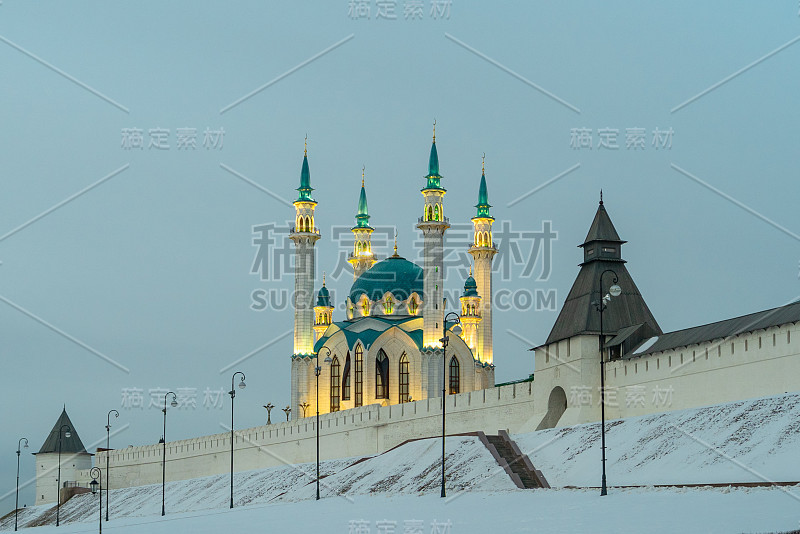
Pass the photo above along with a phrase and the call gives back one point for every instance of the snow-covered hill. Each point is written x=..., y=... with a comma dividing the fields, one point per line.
x=754, y=440
x=414, y=468
x=748, y=441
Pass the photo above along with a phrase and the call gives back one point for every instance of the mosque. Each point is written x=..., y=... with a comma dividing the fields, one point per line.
x=389, y=347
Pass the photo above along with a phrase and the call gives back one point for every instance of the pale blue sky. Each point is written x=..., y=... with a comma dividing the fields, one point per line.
x=152, y=267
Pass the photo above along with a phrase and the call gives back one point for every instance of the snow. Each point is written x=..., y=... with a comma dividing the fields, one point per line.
x=746, y=441
x=737, y=442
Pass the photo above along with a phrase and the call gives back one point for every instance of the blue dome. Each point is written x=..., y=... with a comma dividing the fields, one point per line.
x=396, y=275
x=323, y=297
x=470, y=287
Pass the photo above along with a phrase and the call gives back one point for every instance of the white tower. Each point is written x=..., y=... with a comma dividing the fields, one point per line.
x=433, y=224
x=483, y=251
x=304, y=235
x=73, y=458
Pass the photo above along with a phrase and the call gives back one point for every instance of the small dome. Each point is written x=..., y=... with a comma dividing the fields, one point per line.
x=323, y=297
x=395, y=275
x=470, y=287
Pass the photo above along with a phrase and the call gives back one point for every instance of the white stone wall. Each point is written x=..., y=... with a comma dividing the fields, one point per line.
x=361, y=431
x=752, y=364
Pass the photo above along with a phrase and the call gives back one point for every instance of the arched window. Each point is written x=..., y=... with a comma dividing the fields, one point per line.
x=365, y=306
x=358, y=248
x=455, y=376
x=346, y=378
x=430, y=214
x=381, y=376
x=388, y=306
x=335, y=384
x=436, y=213
x=412, y=306
x=403, y=382
x=359, y=393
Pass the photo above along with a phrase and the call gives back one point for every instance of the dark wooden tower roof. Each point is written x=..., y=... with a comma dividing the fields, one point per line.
x=601, y=251
x=70, y=444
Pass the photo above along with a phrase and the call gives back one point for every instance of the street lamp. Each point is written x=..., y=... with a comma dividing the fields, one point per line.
x=304, y=406
x=287, y=411
x=67, y=434
x=232, y=393
x=174, y=403
x=16, y=501
x=108, y=439
x=445, y=340
x=600, y=305
x=317, y=370
x=269, y=408
x=96, y=473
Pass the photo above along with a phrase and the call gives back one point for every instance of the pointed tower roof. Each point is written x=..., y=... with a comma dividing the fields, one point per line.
x=470, y=286
x=483, y=196
x=433, y=176
x=602, y=228
x=305, y=188
x=578, y=315
x=323, y=297
x=70, y=444
x=362, y=216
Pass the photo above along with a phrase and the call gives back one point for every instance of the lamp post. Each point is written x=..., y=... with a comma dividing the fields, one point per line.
x=445, y=340
x=67, y=434
x=304, y=406
x=613, y=291
x=317, y=370
x=287, y=411
x=232, y=393
x=269, y=408
x=96, y=473
x=108, y=440
x=16, y=499
x=174, y=403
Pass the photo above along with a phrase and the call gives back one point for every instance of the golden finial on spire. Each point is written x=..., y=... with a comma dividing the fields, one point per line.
x=483, y=164
x=323, y=278
x=470, y=273
x=305, y=146
x=434, y=130
x=362, y=175
x=395, y=242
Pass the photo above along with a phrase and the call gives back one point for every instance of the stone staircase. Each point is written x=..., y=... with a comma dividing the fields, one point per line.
x=516, y=464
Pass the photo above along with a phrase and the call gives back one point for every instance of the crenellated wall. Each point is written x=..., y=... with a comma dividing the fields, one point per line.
x=752, y=364
x=364, y=431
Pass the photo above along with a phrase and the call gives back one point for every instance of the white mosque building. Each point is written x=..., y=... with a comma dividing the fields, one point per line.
x=388, y=349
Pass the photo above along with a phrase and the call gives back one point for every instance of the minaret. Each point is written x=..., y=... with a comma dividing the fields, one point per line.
x=483, y=251
x=433, y=224
x=362, y=257
x=323, y=311
x=305, y=235
x=470, y=313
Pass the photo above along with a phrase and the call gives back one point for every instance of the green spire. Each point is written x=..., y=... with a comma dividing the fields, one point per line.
x=362, y=217
x=305, y=188
x=483, y=196
x=433, y=165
